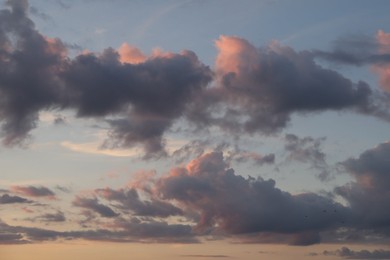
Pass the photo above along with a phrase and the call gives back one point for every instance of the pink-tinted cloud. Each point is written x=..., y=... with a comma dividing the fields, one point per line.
x=231, y=203
x=130, y=54
x=54, y=46
x=235, y=55
x=141, y=97
x=9, y=199
x=259, y=88
x=383, y=69
x=34, y=191
x=369, y=196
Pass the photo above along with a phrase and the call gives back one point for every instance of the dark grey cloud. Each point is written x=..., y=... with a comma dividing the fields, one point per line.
x=129, y=199
x=211, y=199
x=239, y=205
x=94, y=205
x=260, y=88
x=149, y=96
x=9, y=199
x=34, y=191
x=345, y=252
x=11, y=238
x=28, y=63
x=132, y=230
x=358, y=50
x=157, y=229
x=256, y=89
x=59, y=216
x=355, y=50
x=369, y=195
x=38, y=75
x=48, y=218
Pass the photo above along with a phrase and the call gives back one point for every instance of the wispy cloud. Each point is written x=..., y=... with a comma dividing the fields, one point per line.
x=95, y=148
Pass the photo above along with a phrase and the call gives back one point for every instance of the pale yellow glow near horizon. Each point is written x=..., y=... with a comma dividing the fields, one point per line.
x=86, y=250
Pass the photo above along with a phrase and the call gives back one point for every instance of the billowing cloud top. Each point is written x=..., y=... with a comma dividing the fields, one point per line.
x=141, y=96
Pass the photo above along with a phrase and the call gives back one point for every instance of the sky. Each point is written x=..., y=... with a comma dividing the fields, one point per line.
x=194, y=129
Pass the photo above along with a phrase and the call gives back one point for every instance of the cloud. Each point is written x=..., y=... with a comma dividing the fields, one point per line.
x=368, y=196
x=94, y=205
x=242, y=156
x=308, y=150
x=29, y=63
x=361, y=50
x=59, y=216
x=196, y=148
x=158, y=229
x=259, y=88
x=147, y=96
x=129, y=199
x=130, y=54
x=8, y=199
x=140, y=97
x=345, y=252
x=156, y=91
x=11, y=238
x=383, y=69
x=56, y=217
x=95, y=148
x=132, y=230
x=34, y=191
x=238, y=205
x=211, y=199
x=193, y=148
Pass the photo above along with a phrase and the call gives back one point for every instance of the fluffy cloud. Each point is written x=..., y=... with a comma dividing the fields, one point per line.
x=211, y=199
x=140, y=97
x=28, y=63
x=259, y=88
x=37, y=75
x=369, y=195
x=238, y=205
x=361, y=50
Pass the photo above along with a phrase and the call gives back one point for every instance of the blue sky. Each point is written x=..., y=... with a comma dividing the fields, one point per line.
x=180, y=122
